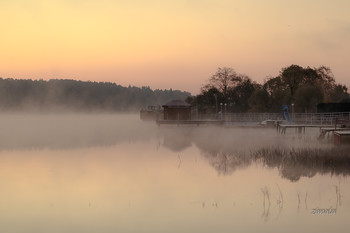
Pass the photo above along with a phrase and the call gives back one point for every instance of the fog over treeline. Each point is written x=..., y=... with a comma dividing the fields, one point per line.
x=85, y=96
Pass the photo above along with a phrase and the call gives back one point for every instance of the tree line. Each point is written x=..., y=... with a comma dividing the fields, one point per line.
x=303, y=87
x=72, y=95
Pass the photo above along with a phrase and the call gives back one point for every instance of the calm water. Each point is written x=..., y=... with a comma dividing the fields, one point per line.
x=110, y=173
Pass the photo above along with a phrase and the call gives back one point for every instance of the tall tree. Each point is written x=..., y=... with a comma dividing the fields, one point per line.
x=222, y=80
x=278, y=93
x=259, y=100
x=239, y=94
x=294, y=76
x=307, y=97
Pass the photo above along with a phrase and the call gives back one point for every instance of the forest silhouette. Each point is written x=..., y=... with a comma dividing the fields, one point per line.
x=84, y=96
x=304, y=87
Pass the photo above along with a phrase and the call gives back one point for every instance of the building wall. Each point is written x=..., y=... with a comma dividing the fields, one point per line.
x=333, y=107
x=177, y=113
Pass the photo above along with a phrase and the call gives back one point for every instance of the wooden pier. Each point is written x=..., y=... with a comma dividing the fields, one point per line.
x=282, y=128
x=326, y=131
x=341, y=136
x=189, y=122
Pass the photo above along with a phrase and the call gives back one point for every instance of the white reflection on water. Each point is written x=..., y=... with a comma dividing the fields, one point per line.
x=108, y=176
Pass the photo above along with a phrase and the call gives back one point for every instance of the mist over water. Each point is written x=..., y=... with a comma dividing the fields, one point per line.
x=88, y=130
x=63, y=131
x=115, y=173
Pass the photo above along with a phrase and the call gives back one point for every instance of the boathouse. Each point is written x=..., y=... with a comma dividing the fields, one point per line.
x=177, y=110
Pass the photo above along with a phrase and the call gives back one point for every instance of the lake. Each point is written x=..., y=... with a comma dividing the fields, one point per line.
x=115, y=173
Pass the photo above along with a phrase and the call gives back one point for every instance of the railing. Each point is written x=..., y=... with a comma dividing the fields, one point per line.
x=296, y=118
x=319, y=118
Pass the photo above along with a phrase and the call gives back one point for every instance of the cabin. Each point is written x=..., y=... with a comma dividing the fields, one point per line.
x=333, y=107
x=177, y=110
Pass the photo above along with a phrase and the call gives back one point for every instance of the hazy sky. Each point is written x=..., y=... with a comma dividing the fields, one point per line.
x=171, y=43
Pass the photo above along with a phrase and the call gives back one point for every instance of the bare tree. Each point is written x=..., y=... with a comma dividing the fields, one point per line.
x=222, y=80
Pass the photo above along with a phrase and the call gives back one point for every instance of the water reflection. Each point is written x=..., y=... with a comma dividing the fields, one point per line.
x=227, y=150
x=114, y=177
x=306, y=162
x=291, y=164
x=175, y=141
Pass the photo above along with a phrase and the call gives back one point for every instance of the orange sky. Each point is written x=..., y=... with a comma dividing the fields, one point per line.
x=170, y=44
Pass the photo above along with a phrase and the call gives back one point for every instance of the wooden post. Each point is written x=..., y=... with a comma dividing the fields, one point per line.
x=337, y=139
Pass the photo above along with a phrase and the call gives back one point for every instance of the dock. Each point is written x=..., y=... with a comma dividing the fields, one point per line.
x=282, y=128
x=189, y=122
x=326, y=131
x=341, y=136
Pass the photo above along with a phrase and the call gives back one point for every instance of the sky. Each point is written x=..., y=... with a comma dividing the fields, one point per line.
x=176, y=44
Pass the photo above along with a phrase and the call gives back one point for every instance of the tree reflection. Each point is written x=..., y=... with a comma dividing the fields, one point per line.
x=294, y=164
x=226, y=163
x=229, y=150
x=291, y=163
